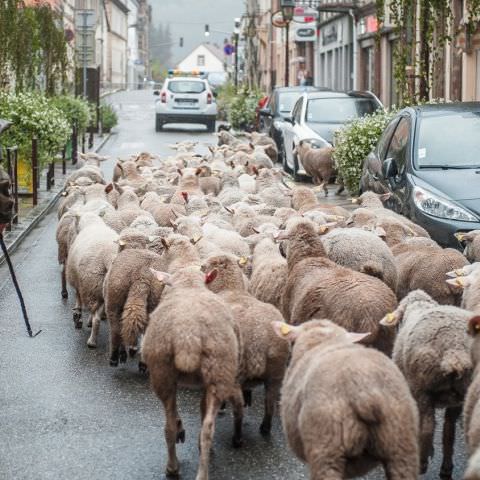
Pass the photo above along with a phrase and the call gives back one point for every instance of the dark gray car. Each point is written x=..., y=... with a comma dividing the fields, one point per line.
x=429, y=158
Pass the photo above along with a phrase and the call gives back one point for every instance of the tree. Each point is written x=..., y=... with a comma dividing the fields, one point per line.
x=161, y=45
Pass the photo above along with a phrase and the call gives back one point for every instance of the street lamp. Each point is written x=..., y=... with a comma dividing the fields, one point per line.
x=288, y=10
x=236, y=32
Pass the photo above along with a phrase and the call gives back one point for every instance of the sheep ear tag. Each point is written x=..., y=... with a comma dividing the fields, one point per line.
x=242, y=261
x=285, y=331
x=474, y=326
x=211, y=276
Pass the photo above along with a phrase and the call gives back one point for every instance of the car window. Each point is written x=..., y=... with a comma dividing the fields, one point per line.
x=286, y=101
x=297, y=111
x=398, y=148
x=339, y=110
x=272, y=101
x=384, y=141
x=186, y=86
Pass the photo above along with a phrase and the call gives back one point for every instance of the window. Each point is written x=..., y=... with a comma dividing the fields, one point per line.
x=186, y=86
x=384, y=140
x=297, y=111
x=200, y=60
x=338, y=110
x=398, y=149
x=287, y=101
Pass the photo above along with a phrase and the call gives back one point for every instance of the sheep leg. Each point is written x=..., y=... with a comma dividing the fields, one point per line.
x=323, y=467
x=115, y=342
x=427, y=427
x=77, y=312
x=64, y=282
x=212, y=404
x=237, y=404
x=171, y=432
x=341, y=186
x=96, y=317
x=451, y=417
x=272, y=390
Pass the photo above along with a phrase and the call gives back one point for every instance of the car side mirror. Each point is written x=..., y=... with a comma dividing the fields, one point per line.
x=265, y=112
x=290, y=120
x=389, y=168
x=156, y=92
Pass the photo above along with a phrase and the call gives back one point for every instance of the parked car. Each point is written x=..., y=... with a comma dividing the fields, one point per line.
x=280, y=105
x=185, y=98
x=316, y=116
x=428, y=157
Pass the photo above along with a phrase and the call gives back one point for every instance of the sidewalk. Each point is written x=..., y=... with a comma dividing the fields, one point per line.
x=29, y=216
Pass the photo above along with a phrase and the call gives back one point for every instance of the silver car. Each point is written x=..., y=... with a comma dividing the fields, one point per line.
x=316, y=116
x=185, y=99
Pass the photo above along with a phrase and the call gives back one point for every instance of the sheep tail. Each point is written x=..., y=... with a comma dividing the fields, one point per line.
x=135, y=316
x=367, y=407
x=187, y=351
x=373, y=269
x=473, y=469
x=455, y=362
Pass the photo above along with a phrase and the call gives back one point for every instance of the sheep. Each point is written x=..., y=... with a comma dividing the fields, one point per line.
x=468, y=279
x=201, y=349
x=304, y=200
x=264, y=140
x=89, y=259
x=432, y=350
x=163, y=213
x=472, y=244
x=422, y=264
x=209, y=183
x=362, y=251
x=471, y=410
x=90, y=171
x=264, y=356
x=346, y=408
x=316, y=287
x=317, y=163
x=269, y=273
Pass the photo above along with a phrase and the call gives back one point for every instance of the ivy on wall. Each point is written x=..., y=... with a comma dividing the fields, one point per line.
x=423, y=28
x=34, y=49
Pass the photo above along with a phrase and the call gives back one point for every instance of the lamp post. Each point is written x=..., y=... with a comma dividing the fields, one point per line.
x=236, y=33
x=288, y=9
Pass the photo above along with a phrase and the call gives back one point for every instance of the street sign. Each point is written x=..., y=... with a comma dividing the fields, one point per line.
x=306, y=32
x=228, y=49
x=305, y=15
x=85, y=19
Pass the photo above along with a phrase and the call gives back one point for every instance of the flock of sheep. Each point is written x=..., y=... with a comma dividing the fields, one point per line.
x=221, y=274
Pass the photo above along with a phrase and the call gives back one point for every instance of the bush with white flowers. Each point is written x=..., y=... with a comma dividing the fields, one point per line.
x=33, y=114
x=354, y=142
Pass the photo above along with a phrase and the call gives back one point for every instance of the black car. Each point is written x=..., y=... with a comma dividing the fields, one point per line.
x=279, y=106
x=428, y=157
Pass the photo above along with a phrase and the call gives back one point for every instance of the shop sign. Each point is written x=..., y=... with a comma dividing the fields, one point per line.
x=329, y=34
x=306, y=33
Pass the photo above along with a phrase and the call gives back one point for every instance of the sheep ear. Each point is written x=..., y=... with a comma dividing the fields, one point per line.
x=162, y=277
x=380, y=232
x=385, y=196
x=459, y=282
x=211, y=276
x=390, y=319
x=165, y=243
x=198, y=171
x=356, y=337
x=322, y=229
x=179, y=171
x=195, y=239
x=281, y=235
x=474, y=326
x=118, y=188
x=109, y=188
x=286, y=331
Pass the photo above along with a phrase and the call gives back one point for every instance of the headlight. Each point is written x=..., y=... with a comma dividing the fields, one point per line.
x=436, y=206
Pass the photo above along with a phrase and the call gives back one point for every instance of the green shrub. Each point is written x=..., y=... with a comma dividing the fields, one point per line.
x=242, y=109
x=354, y=142
x=75, y=109
x=33, y=114
x=108, y=116
x=226, y=94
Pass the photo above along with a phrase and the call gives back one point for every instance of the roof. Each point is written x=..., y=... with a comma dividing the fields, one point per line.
x=337, y=94
x=299, y=89
x=211, y=48
x=447, y=108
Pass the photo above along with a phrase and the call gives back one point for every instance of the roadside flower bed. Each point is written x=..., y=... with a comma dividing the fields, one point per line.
x=75, y=110
x=354, y=142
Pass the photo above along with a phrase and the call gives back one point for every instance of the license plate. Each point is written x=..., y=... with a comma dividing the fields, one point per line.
x=186, y=100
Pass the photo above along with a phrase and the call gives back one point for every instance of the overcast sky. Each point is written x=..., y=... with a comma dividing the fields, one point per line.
x=187, y=19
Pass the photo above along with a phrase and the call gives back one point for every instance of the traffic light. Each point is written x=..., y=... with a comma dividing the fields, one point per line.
x=207, y=30
x=181, y=41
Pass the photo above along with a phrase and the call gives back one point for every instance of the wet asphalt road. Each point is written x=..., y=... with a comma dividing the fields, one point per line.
x=65, y=414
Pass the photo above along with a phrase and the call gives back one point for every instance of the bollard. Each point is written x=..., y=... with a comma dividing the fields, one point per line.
x=35, y=170
x=74, y=145
x=12, y=156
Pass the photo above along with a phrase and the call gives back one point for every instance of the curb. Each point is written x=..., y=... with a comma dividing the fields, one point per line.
x=17, y=242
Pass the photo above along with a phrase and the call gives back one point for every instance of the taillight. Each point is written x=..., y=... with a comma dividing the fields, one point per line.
x=209, y=97
x=163, y=97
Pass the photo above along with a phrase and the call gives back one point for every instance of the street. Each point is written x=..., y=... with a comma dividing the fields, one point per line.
x=66, y=414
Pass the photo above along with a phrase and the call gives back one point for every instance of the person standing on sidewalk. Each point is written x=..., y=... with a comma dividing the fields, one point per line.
x=6, y=200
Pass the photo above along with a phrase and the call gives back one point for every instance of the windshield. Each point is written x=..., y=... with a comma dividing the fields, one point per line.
x=286, y=101
x=449, y=140
x=186, y=86
x=338, y=110
x=217, y=78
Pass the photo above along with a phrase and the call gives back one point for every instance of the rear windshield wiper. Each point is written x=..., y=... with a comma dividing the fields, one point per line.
x=452, y=167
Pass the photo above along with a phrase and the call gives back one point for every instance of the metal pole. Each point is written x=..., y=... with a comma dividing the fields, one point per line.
x=35, y=171
x=84, y=51
x=287, y=55
x=236, y=62
x=354, y=49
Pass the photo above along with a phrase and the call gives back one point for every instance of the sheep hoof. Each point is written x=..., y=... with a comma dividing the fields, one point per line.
x=171, y=472
x=132, y=351
x=89, y=324
x=181, y=436
x=78, y=324
x=265, y=429
x=247, y=398
x=77, y=318
x=446, y=473
x=113, y=362
x=223, y=408
x=122, y=356
x=64, y=294
x=237, y=441
x=423, y=468
x=142, y=367
x=91, y=344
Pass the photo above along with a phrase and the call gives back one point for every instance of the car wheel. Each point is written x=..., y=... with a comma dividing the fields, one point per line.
x=211, y=126
x=158, y=124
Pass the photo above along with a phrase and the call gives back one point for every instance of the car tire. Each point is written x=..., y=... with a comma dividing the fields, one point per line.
x=296, y=176
x=158, y=124
x=211, y=126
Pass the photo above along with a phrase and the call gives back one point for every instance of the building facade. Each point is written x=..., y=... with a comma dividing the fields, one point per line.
x=206, y=58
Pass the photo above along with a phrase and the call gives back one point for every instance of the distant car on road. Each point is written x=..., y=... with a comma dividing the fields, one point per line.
x=280, y=105
x=317, y=115
x=428, y=157
x=185, y=98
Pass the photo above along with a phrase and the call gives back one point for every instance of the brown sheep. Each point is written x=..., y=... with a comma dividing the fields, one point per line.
x=345, y=408
x=472, y=244
x=317, y=287
x=192, y=340
x=304, y=200
x=264, y=355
